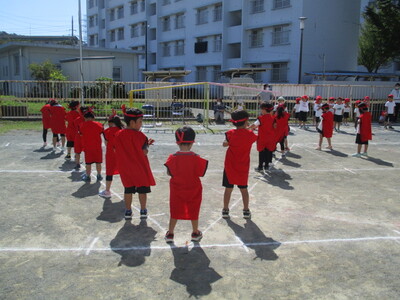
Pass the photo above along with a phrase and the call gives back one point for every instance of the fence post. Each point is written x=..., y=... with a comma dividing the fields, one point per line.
x=206, y=103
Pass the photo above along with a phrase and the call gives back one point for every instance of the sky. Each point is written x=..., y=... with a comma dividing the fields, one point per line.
x=41, y=17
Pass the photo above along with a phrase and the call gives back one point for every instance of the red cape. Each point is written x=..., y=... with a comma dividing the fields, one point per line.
x=111, y=162
x=57, y=120
x=46, y=117
x=327, y=124
x=282, y=126
x=365, y=127
x=71, y=129
x=266, y=133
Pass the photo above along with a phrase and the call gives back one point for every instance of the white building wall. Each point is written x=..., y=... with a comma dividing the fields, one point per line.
x=331, y=31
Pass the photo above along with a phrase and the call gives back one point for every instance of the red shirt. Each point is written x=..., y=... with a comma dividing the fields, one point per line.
x=327, y=124
x=237, y=158
x=91, y=135
x=282, y=126
x=365, y=127
x=111, y=163
x=46, y=117
x=71, y=129
x=185, y=168
x=266, y=133
x=133, y=165
x=57, y=120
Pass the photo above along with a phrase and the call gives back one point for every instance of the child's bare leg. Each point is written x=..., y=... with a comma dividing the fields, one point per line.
x=227, y=197
x=172, y=224
x=98, y=168
x=195, y=225
x=108, y=185
x=128, y=201
x=320, y=142
x=329, y=143
x=69, y=150
x=365, y=148
x=63, y=141
x=245, y=197
x=142, y=201
x=77, y=158
x=88, y=169
x=54, y=141
x=359, y=148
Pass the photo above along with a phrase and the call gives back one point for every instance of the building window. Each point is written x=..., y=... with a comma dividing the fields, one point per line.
x=112, y=14
x=91, y=21
x=153, y=9
x=93, y=39
x=112, y=35
x=101, y=4
x=218, y=43
x=142, y=6
x=166, y=2
x=134, y=30
x=143, y=29
x=217, y=12
x=103, y=23
x=166, y=24
x=166, y=49
x=179, y=48
x=134, y=7
x=279, y=72
x=91, y=3
x=280, y=35
x=202, y=16
x=121, y=33
x=256, y=38
x=201, y=74
x=281, y=4
x=120, y=12
x=216, y=75
x=116, y=74
x=257, y=6
x=179, y=21
x=16, y=65
x=103, y=43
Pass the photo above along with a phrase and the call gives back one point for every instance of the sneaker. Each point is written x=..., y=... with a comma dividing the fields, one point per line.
x=364, y=153
x=99, y=177
x=128, y=214
x=169, y=237
x=225, y=213
x=246, y=214
x=105, y=194
x=62, y=149
x=143, y=213
x=67, y=157
x=258, y=169
x=58, y=144
x=197, y=236
x=356, y=155
x=85, y=178
x=44, y=145
x=391, y=127
x=78, y=166
x=54, y=149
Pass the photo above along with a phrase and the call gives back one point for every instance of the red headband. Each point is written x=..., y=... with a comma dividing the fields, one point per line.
x=123, y=107
x=238, y=121
x=180, y=136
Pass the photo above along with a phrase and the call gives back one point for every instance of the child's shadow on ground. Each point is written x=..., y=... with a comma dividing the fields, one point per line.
x=252, y=236
x=76, y=176
x=112, y=211
x=52, y=155
x=379, y=161
x=289, y=163
x=87, y=190
x=293, y=155
x=277, y=178
x=133, y=243
x=67, y=165
x=42, y=149
x=192, y=269
x=337, y=153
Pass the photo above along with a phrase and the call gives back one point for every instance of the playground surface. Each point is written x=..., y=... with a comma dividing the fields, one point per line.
x=324, y=225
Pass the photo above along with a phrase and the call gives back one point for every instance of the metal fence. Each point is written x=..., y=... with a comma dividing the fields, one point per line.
x=23, y=99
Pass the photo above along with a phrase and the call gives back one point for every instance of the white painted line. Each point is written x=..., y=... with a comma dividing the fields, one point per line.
x=157, y=215
x=31, y=171
x=6, y=145
x=244, y=246
x=91, y=245
x=398, y=232
x=237, y=245
x=350, y=171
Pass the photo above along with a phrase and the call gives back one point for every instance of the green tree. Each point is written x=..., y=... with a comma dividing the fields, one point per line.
x=46, y=71
x=382, y=29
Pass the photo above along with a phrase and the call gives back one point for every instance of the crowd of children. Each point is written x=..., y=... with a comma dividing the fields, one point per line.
x=127, y=148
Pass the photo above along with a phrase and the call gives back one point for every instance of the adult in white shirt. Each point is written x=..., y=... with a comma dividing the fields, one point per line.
x=396, y=97
x=390, y=106
x=303, y=111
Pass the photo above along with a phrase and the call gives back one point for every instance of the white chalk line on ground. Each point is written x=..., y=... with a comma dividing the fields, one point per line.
x=233, y=245
x=91, y=245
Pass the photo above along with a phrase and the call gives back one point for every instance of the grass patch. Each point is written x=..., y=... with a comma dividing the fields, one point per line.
x=6, y=126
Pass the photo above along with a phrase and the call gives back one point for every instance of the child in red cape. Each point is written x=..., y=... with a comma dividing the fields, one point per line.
x=364, y=130
x=114, y=126
x=57, y=123
x=282, y=128
x=325, y=126
x=237, y=160
x=46, y=121
x=185, y=168
x=266, y=139
x=91, y=132
x=78, y=147
x=71, y=130
x=131, y=148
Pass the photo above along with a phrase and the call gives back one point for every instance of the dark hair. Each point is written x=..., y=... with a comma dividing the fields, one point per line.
x=188, y=135
x=53, y=102
x=267, y=106
x=325, y=106
x=363, y=107
x=117, y=121
x=88, y=114
x=83, y=109
x=280, y=111
x=239, y=115
x=132, y=112
x=73, y=104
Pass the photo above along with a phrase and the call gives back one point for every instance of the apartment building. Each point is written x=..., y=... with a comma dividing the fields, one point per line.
x=210, y=36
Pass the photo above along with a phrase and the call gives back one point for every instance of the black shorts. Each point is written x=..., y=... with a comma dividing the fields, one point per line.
x=317, y=119
x=70, y=144
x=390, y=118
x=303, y=116
x=296, y=115
x=337, y=118
x=346, y=115
x=358, y=140
x=226, y=183
x=56, y=135
x=139, y=190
